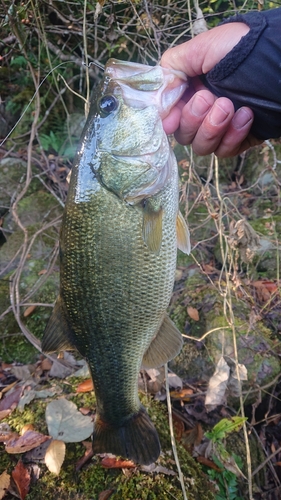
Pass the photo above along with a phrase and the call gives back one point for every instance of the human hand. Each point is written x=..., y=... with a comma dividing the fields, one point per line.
x=209, y=123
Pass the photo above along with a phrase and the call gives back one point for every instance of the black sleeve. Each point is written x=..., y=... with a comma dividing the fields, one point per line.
x=250, y=74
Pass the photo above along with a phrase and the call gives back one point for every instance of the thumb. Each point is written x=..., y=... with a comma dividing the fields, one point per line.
x=202, y=53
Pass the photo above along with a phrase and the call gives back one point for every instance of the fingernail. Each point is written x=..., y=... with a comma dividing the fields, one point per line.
x=241, y=118
x=218, y=114
x=199, y=106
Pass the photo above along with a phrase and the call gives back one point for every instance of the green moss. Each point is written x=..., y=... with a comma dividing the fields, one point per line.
x=16, y=347
x=89, y=482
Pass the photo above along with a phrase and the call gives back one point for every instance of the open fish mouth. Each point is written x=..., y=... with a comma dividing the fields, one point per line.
x=165, y=86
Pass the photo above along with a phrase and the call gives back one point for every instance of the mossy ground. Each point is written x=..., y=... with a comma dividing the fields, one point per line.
x=89, y=482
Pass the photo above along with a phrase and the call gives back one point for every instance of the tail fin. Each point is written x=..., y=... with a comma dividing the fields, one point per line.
x=136, y=439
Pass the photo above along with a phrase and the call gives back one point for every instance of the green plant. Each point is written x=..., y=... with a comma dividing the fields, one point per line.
x=225, y=480
x=229, y=465
x=58, y=143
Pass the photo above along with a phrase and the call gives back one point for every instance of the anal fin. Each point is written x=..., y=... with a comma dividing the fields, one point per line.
x=165, y=346
x=183, y=237
x=55, y=336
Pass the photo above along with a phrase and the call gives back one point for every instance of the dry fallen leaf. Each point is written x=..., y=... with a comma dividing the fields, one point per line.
x=28, y=311
x=46, y=364
x=192, y=437
x=5, y=413
x=86, y=386
x=217, y=385
x=87, y=455
x=193, y=313
x=25, y=428
x=4, y=483
x=21, y=477
x=114, y=463
x=11, y=400
x=37, y=454
x=6, y=433
x=43, y=271
x=156, y=469
x=8, y=387
x=174, y=380
x=183, y=394
x=84, y=410
x=178, y=426
x=209, y=463
x=23, y=372
x=104, y=495
x=21, y=444
x=55, y=456
x=66, y=423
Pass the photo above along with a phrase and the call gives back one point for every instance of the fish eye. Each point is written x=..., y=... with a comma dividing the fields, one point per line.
x=107, y=104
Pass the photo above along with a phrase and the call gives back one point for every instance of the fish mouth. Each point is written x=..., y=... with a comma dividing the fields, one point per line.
x=139, y=83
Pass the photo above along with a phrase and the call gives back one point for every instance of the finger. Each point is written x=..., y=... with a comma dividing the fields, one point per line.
x=209, y=129
x=236, y=139
x=172, y=121
x=193, y=115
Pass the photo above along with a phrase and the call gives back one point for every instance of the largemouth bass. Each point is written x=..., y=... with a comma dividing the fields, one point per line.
x=120, y=231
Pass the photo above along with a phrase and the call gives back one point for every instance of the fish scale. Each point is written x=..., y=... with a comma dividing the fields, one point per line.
x=118, y=250
x=109, y=313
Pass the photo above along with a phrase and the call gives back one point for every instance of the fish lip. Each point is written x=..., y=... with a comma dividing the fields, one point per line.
x=164, y=86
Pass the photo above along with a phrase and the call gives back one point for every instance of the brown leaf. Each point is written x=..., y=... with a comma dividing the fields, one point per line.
x=209, y=463
x=46, y=364
x=7, y=434
x=209, y=269
x=182, y=394
x=4, y=483
x=21, y=444
x=8, y=387
x=192, y=437
x=28, y=311
x=104, y=495
x=10, y=401
x=37, y=454
x=114, y=463
x=84, y=410
x=193, y=313
x=86, y=457
x=25, y=428
x=5, y=413
x=86, y=386
x=157, y=469
x=43, y=271
x=4, y=365
x=55, y=456
x=21, y=477
x=264, y=289
x=270, y=286
x=178, y=428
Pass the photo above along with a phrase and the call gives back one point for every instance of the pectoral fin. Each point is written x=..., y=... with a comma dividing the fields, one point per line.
x=165, y=346
x=183, y=237
x=152, y=227
x=55, y=336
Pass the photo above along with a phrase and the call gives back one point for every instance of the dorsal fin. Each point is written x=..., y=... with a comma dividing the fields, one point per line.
x=165, y=345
